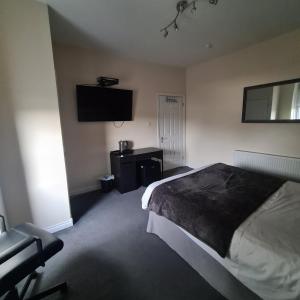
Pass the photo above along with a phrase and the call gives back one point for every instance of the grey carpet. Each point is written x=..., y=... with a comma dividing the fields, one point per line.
x=109, y=255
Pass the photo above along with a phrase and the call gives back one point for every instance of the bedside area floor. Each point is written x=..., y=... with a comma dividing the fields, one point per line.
x=109, y=255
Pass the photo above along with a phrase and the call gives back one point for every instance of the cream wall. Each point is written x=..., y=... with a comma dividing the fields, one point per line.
x=87, y=145
x=32, y=167
x=214, y=102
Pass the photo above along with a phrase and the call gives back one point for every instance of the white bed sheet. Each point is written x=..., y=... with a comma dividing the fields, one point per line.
x=265, y=250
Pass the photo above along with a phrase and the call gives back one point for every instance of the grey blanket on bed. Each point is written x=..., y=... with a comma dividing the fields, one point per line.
x=212, y=203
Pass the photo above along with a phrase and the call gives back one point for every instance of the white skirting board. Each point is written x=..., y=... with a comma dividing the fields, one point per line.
x=60, y=226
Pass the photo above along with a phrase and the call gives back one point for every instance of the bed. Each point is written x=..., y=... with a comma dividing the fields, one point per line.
x=264, y=254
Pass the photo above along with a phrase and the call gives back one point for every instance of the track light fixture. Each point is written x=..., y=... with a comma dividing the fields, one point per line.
x=181, y=6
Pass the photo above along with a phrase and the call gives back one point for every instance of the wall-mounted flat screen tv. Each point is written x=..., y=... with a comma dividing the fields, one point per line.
x=96, y=103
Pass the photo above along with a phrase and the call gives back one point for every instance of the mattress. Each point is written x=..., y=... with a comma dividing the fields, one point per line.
x=265, y=250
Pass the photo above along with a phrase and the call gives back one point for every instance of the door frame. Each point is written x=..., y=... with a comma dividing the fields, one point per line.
x=183, y=121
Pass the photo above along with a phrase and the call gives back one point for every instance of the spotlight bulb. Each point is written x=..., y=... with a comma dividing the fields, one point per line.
x=194, y=8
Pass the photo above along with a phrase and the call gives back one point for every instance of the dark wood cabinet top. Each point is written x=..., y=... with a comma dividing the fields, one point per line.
x=136, y=152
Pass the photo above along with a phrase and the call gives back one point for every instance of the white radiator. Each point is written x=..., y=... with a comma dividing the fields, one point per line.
x=283, y=166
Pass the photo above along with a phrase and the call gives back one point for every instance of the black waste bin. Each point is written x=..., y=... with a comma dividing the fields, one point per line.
x=107, y=183
x=149, y=171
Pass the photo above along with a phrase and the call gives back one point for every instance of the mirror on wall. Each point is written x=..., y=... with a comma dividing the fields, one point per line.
x=277, y=102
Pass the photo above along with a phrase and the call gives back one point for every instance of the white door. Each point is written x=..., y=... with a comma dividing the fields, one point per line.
x=171, y=126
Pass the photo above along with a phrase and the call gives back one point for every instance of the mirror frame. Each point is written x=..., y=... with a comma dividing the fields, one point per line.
x=246, y=89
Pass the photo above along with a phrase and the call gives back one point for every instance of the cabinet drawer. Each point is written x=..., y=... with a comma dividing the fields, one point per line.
x=128, y=177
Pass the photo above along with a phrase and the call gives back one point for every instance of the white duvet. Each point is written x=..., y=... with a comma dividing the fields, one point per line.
x=266, y=247
x=265, y=250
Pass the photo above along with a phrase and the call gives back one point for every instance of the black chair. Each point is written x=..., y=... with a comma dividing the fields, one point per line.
x=23, y=249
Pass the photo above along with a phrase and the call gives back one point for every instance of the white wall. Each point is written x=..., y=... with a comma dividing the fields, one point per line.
x=32, y=166
x=87, y=145
x=215, y=96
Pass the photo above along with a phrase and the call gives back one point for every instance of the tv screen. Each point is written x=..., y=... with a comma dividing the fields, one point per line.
x=95, y=103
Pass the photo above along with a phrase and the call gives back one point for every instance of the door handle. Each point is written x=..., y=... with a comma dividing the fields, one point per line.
x=162, y=139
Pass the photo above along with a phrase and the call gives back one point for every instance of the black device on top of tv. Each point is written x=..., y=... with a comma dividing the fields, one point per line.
x=95, y=103
x=107, y=81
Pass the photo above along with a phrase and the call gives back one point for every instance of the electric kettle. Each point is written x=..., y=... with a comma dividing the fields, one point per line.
x=123, y=146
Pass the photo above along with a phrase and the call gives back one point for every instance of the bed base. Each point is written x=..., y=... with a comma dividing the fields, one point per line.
x=210, y=269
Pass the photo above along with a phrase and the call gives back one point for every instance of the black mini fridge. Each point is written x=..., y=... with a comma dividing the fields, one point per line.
x=149, y=171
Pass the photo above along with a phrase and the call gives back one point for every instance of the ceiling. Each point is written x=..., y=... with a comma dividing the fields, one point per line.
x=131, y=28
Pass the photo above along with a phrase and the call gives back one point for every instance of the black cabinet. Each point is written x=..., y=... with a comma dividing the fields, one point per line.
x=125, y=167
x=149, y=171
x=126, y=177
